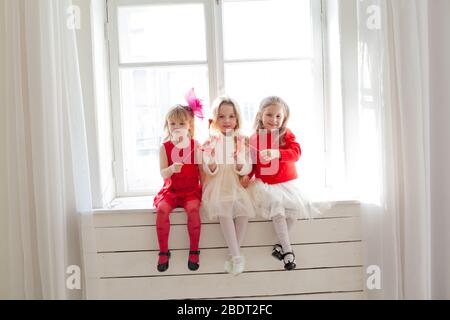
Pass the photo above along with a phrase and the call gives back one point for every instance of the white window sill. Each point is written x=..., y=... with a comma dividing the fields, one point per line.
x=129, y=204
x=145, y=205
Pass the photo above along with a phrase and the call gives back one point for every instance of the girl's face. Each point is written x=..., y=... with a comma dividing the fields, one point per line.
x=226, y=119
x=178, y=127
x=273, y=117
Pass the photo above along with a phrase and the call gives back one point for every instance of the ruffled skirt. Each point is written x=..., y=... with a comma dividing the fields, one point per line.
x=283, y=199
x=223, y=196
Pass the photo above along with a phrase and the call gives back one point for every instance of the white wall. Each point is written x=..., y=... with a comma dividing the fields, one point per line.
x=349, y=57
x=341, y=87
x=3, y=178
x=333, y=95
x=102, y=98
x=92, y=50
x=439, y=33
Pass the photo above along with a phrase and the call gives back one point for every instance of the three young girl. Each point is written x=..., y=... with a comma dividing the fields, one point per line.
x=229, y=161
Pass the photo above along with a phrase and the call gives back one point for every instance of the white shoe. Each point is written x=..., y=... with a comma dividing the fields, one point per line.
x=238, y=264
x=228, y=266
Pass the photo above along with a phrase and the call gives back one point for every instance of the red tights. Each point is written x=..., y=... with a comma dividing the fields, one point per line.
x=163, y=227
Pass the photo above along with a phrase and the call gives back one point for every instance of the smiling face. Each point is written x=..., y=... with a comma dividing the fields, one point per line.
x=272, y=117
x=177, y=124
x=226, y=118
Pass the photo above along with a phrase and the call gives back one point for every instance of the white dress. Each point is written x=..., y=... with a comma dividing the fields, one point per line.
x=283, y=199
x=223, y=194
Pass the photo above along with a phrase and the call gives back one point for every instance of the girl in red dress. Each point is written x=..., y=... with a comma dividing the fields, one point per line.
x=179, y=167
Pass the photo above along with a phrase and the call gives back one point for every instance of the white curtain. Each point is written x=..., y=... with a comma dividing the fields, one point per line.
x=397, y=101
x=44, y=166
x=439, y=30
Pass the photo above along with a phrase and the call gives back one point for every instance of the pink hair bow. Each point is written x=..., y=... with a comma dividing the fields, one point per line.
x=194, y=103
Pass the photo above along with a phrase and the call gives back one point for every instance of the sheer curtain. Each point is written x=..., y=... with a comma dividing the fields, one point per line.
x=44, y=167
x=397, y=99
x=440, y=147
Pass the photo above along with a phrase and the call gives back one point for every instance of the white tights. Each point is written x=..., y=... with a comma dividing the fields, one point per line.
x=234, y=231
x=282, y=227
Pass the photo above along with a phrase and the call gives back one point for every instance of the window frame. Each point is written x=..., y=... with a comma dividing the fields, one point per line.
x=215, y=62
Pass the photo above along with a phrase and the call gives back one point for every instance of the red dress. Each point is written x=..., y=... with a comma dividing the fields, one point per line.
x=184, y=186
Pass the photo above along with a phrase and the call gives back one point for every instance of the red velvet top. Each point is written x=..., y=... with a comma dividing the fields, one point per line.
x=278, y=170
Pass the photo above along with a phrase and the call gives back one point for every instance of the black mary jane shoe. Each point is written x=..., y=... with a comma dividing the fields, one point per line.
x=290, y=265
x=277, y=252
x=164, y=266
x=193, y=266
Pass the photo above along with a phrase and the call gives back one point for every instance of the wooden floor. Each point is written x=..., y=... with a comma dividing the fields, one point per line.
x=328, y=250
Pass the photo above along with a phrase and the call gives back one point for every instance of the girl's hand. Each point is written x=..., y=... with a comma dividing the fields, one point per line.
x=176, y=167
x=269, y=155
x=238, y=143
x=212, y=167
x=245, y=181
x=209, y=149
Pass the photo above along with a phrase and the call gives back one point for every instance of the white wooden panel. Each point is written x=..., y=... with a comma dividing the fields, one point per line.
x=258, y=234
x=226, y=285
x=358, y=295
x=128, y=264
x=328, y=249
x=147, y=217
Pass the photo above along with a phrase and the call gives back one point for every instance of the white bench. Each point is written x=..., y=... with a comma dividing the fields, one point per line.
x=328, y=251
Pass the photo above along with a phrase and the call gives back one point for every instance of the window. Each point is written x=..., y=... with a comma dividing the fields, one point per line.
x=248, y=49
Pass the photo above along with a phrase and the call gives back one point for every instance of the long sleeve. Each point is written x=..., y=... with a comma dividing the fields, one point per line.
x=207, y=169
x=207, y=159
x=244, y=157
x=292, y=151
x=253, y=172
x=253, y=144
x=245, y=170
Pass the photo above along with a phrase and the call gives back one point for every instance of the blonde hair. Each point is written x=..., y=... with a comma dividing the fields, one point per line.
x=181, y=113
x=267, y=102
x=220, y=101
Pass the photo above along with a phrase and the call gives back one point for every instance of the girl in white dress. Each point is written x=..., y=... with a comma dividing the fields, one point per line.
x=225, y=160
